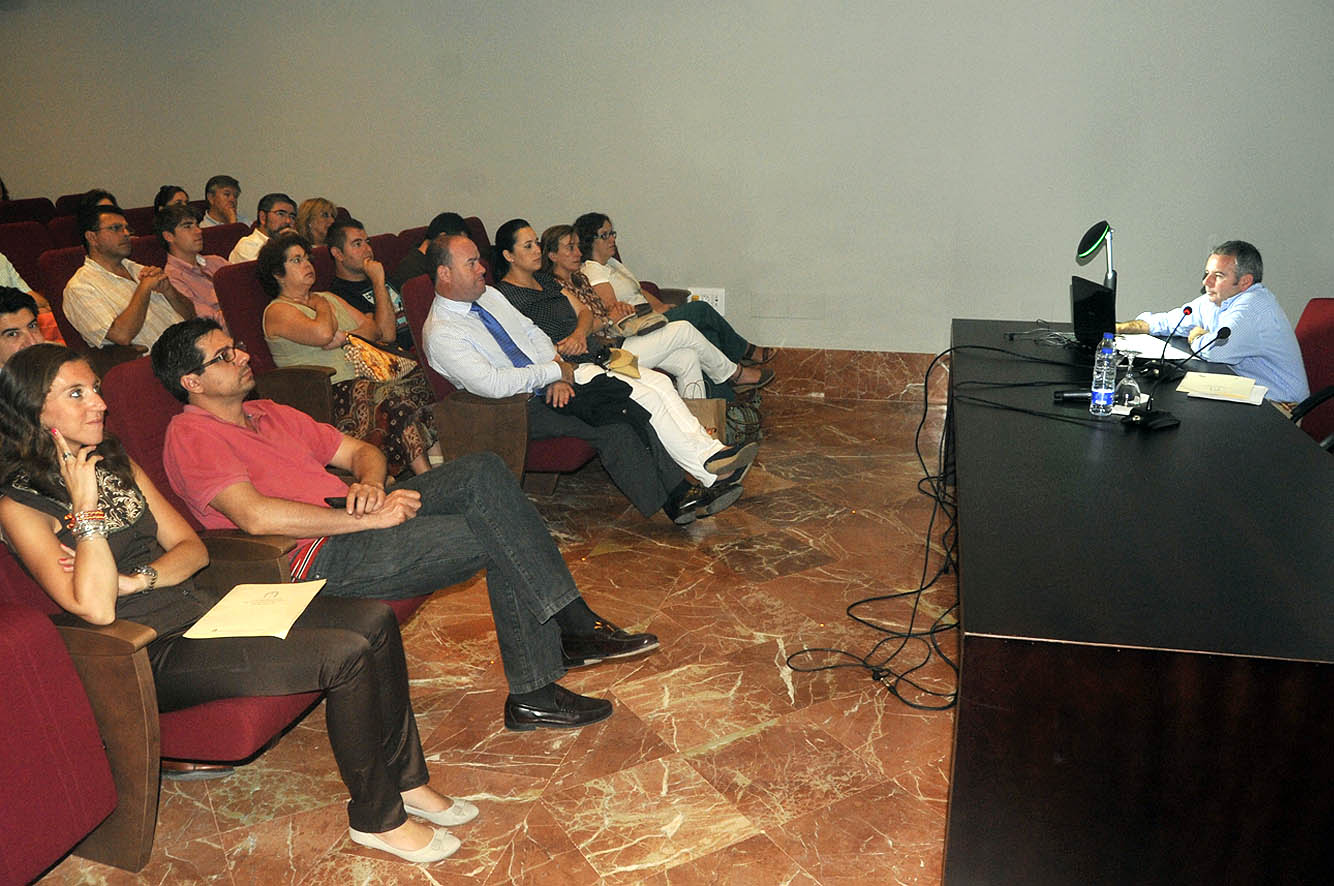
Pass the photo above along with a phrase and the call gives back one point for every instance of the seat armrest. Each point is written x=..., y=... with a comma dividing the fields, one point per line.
x=468, y=423
x=112, y=664
x=674, y=297
x=121, y=637
x=306, y=388
x=237, y=558
x=1301, y=409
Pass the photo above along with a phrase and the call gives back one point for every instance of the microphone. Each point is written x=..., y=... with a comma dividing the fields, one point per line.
x=1173, y=368
x=1152, y=371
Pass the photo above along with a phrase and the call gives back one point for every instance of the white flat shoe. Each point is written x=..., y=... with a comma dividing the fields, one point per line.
x=442, y=845
x=461, y=812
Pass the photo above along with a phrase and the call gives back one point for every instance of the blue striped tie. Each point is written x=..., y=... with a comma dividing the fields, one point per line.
x=513, y=351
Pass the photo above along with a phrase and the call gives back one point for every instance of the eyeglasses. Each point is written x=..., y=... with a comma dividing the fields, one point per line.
x=297, y=259
x=226, y=354
x=283, y=213
x=121, y=228
x=600, y=235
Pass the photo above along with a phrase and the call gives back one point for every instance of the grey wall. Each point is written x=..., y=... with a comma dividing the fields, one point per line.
x=854, y=173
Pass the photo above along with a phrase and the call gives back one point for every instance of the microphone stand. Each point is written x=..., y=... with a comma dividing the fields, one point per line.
x=1151, y=419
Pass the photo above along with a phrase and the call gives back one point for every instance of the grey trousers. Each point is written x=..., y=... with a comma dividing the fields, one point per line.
x=473, y=516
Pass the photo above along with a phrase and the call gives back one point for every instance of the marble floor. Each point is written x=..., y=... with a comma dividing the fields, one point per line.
x=720, y=766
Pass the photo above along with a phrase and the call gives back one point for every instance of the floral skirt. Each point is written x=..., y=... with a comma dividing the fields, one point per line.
x=393, y=415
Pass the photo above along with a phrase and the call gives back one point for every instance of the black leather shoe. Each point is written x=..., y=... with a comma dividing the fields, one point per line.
x=721, y=496
x=732, y=462
x=606, y=641
x=681, y=506
x=570, y=712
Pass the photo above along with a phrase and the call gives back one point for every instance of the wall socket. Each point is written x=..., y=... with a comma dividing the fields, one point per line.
x=714, y=296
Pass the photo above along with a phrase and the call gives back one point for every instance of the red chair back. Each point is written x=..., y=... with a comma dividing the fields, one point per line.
x=64, y=230
x=411, y=238
x=57, y=266
x=478, y=235
x=140, y=220
x=139, y=409
x=324, y=268
x=220, y=240
x=147, y=249
x=418, y=293
x=68, y=204
x=243, y=300
x=388, y=251
x=38, y=209
x=1315, y=335
x=22, y=243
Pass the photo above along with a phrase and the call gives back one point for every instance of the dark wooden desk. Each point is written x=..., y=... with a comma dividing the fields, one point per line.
x=1146, y=693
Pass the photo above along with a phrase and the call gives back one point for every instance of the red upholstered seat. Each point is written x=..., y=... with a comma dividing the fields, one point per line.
x=22, y=243
x=147, y=249
x=56, y=267
x=140, y=220
x=55, y=782
x=64, y=230
x=38, y=209
x=1315, y=335
x=388, y=251
x=549, y=456
x=68, y=204
x=220, y=240
x=482, y=240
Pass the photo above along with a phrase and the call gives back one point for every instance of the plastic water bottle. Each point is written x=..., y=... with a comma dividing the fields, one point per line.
x=1104, y=377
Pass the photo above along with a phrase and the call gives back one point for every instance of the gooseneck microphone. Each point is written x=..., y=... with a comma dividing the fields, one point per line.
x=1220, y=337
x=1156, y=371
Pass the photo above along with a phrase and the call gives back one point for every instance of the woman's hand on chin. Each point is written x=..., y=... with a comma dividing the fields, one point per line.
x=78, y=467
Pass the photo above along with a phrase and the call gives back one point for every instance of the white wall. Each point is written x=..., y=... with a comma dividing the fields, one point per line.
x=854, y=173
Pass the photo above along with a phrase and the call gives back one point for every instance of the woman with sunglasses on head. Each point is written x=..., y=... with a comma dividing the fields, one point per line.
x=303, y=327
x=314, y=217
x=620, y=291
x=95, y=533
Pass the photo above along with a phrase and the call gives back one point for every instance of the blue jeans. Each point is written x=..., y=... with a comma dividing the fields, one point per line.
x=473, y=516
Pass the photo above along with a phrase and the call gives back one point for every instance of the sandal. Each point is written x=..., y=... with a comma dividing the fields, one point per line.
x=758, y=356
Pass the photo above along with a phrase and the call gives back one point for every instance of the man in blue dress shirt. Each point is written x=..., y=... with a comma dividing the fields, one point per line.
x=1261, y=346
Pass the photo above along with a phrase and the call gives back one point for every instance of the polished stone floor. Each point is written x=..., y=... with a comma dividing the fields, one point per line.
x=720, y=766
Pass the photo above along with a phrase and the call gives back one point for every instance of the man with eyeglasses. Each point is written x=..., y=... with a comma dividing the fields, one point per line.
x=112, y=299
x=190, y=272
x=276, y=212
x=260, y=466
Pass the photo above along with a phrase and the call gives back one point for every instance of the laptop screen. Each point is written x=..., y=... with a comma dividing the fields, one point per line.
x=1092, y=310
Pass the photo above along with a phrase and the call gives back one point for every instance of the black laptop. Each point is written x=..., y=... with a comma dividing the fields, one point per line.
x=1092, y=311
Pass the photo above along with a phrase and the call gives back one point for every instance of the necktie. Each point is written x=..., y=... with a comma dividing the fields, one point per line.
x=516, y=355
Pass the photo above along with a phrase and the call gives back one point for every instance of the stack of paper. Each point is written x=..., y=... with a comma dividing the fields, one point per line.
x=1141, y=345
x=1219, y=386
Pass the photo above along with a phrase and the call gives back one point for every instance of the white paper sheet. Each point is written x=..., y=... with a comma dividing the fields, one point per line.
x=1142, y=345
x=256, y=611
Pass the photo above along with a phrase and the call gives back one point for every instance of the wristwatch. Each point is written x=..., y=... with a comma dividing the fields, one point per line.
x=148, y=571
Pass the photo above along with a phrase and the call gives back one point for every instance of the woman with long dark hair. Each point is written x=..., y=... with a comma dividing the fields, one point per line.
x=67, y=486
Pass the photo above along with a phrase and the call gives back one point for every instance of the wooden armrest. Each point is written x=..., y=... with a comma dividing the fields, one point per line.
x=468, y=423
x=237, y=558
x=118, y=638
x=233, y=544
x=302, y=387
x=112, y=664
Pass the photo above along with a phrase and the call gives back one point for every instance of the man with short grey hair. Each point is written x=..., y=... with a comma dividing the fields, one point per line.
x=1260, y=344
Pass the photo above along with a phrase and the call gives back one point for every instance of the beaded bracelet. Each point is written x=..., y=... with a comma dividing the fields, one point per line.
x=87, y=524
